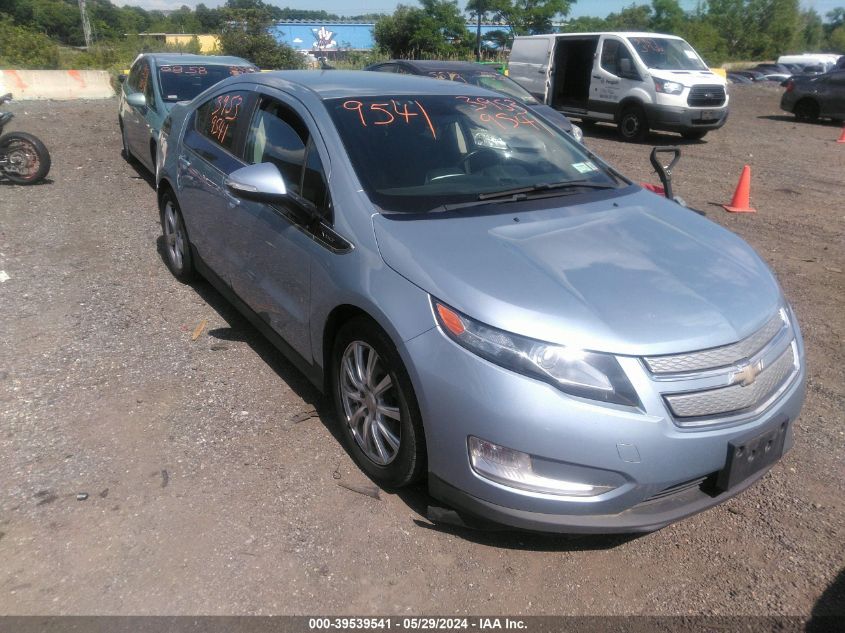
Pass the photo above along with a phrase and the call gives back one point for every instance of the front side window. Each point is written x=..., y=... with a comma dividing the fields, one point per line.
x=667, y=54
x=139, y=76
x=418, y=153
x=220, y=118
x=278, y=135
x=616, y=59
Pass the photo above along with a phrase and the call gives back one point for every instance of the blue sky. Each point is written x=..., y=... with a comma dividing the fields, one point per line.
x=355, y=7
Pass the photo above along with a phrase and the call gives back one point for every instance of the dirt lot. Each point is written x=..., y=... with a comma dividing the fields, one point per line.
x=213, y=468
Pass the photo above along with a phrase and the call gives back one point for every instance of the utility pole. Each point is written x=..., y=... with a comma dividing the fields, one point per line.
x=477, y=37
x=86, y=25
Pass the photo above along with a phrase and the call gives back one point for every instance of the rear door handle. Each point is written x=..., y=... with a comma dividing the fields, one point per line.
x=184, y=162
x=596, y=76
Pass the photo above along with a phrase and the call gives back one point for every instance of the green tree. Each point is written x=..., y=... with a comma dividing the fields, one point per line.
x=531, y=16
x=631, y=18
x=244, y=33
x=21, y=47
x=437, y=29
x=811, y=32
x=667, y=17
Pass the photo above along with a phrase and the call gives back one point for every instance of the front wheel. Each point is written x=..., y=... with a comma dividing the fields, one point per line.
x=633, y=125
x=376, y=405
x=23, y=158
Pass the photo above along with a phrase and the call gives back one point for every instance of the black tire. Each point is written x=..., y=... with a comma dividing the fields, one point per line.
x=633, y=125
x=806, y=110
x=409, y=462
x=127, y=155
x=27, y=153
x=177, y=246
x=694, y=135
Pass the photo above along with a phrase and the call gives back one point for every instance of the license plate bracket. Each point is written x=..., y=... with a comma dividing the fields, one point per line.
x=752, y=453
x=708, y=115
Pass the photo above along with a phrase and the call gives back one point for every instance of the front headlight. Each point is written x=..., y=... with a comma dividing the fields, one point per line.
x=577, y=133
x=668, y=87
x=577, y=372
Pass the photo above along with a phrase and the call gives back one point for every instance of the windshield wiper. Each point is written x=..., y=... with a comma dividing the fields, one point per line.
x=521, y=193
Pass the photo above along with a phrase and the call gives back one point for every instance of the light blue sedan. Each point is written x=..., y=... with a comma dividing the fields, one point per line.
x=155, y=83
x=489, y=306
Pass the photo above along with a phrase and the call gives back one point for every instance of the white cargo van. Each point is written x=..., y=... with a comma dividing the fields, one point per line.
x=639, y=81
x=825, y=61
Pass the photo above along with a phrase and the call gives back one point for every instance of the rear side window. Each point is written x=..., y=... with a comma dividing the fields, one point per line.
x=221, y=118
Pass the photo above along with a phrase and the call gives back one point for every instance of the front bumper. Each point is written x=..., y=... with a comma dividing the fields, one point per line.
x=683, y=119
x=642, y=454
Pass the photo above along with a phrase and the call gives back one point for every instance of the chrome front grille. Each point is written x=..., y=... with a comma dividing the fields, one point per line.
x=737, y=397
x=717, y=356
x=727, y=384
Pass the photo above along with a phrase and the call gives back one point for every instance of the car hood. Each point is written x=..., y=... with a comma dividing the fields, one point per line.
x=631, y=274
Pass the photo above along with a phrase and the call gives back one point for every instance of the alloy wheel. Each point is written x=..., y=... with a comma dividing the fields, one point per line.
x=173, y=235
x=369, y=396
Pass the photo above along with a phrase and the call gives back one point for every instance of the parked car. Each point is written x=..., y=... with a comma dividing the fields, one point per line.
x=155, y=83
x=479, y=75
x=639, y=81
x=812, y=97
x=753, y=75
x=780, y=78
x=819, y=62
x=736, y=78
x=768, y=69
x=488, y=305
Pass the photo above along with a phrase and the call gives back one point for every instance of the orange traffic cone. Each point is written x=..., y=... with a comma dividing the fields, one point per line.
x=741, y=201
x=842, y=136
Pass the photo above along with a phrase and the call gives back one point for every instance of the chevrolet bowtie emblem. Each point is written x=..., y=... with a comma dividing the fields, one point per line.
x=746, y=373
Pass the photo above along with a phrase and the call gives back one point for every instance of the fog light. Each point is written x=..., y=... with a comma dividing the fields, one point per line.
x=513, y=468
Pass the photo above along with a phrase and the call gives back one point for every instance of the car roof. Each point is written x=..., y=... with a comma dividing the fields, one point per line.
x=664, y=36
x=186, y=58
x=336, y=84
x=438, y=64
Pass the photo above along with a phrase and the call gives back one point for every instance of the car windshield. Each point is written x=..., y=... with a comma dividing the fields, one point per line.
x=420, y=153
x=490, y=80
x=667, y=54
x=184, y=82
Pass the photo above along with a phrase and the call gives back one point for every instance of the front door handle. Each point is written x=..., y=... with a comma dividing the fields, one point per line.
x=184, y=162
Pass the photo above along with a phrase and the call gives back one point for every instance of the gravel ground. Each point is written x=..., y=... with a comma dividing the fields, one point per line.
x=214, y=475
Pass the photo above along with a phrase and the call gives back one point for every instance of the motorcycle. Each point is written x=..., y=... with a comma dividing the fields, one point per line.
x=23, y=158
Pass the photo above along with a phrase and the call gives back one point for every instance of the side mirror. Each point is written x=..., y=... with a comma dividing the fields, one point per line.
x=627, y=69
x=262, y=182
x=136, y=100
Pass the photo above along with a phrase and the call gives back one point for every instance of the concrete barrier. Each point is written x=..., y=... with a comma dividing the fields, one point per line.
x=56, y=84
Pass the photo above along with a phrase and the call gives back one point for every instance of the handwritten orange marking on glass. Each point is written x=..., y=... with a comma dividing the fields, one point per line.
x=356, y=106
x=428, y=120
x=405, y=113
x=382, y=107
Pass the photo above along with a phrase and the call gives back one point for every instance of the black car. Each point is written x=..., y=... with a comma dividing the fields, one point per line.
x=812, y=97
x=483, y=76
